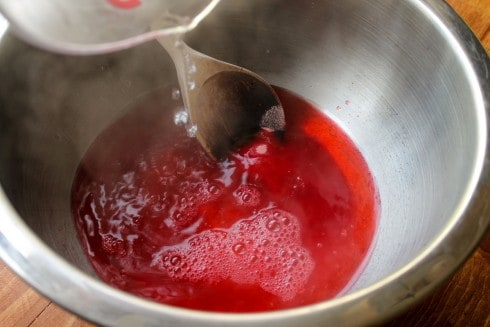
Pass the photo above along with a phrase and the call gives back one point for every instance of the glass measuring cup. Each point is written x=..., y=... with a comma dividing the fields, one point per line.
x=100, y=26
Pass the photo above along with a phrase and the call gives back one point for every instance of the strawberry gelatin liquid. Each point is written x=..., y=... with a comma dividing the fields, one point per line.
x=281, y=223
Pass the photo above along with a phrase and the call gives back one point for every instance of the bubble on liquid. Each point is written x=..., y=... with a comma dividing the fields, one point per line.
x=239, y=248
x=175, y=260
x=192, y=131
x=208, y=191
x=247, y=195
x=175, y=94
x=181, y=117
x=191, y=85
x=273, y=225
x=112, y=245
x=276, y=262
x=183, y=214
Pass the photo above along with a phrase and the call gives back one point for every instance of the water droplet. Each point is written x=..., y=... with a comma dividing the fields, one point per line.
x=192, y=68
x=181, y=118
x=192, y=131
x=175, y=94
x=191, y=85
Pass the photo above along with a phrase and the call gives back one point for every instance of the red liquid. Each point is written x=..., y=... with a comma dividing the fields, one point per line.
x=279, y=224
x=125, y=4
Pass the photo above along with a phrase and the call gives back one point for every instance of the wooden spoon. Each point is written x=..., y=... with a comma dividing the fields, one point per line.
x=227, y=104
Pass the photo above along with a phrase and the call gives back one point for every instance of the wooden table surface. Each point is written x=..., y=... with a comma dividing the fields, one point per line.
x=463, y=301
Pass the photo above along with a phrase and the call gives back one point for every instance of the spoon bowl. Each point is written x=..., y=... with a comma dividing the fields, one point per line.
x=234, y=105
x=227, y=104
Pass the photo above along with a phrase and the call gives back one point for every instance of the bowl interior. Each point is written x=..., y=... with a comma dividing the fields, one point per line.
x=390, y=77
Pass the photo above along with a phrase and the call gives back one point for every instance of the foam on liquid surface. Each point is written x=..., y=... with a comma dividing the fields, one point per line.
x=265, y=249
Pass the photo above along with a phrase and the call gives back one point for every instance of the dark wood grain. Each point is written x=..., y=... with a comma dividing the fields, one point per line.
x=463, y=301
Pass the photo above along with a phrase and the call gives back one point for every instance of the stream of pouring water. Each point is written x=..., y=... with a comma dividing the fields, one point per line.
x=185, y=67
x=185, y=72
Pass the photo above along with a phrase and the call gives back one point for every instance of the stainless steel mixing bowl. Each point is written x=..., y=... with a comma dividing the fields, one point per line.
x=413, y=88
